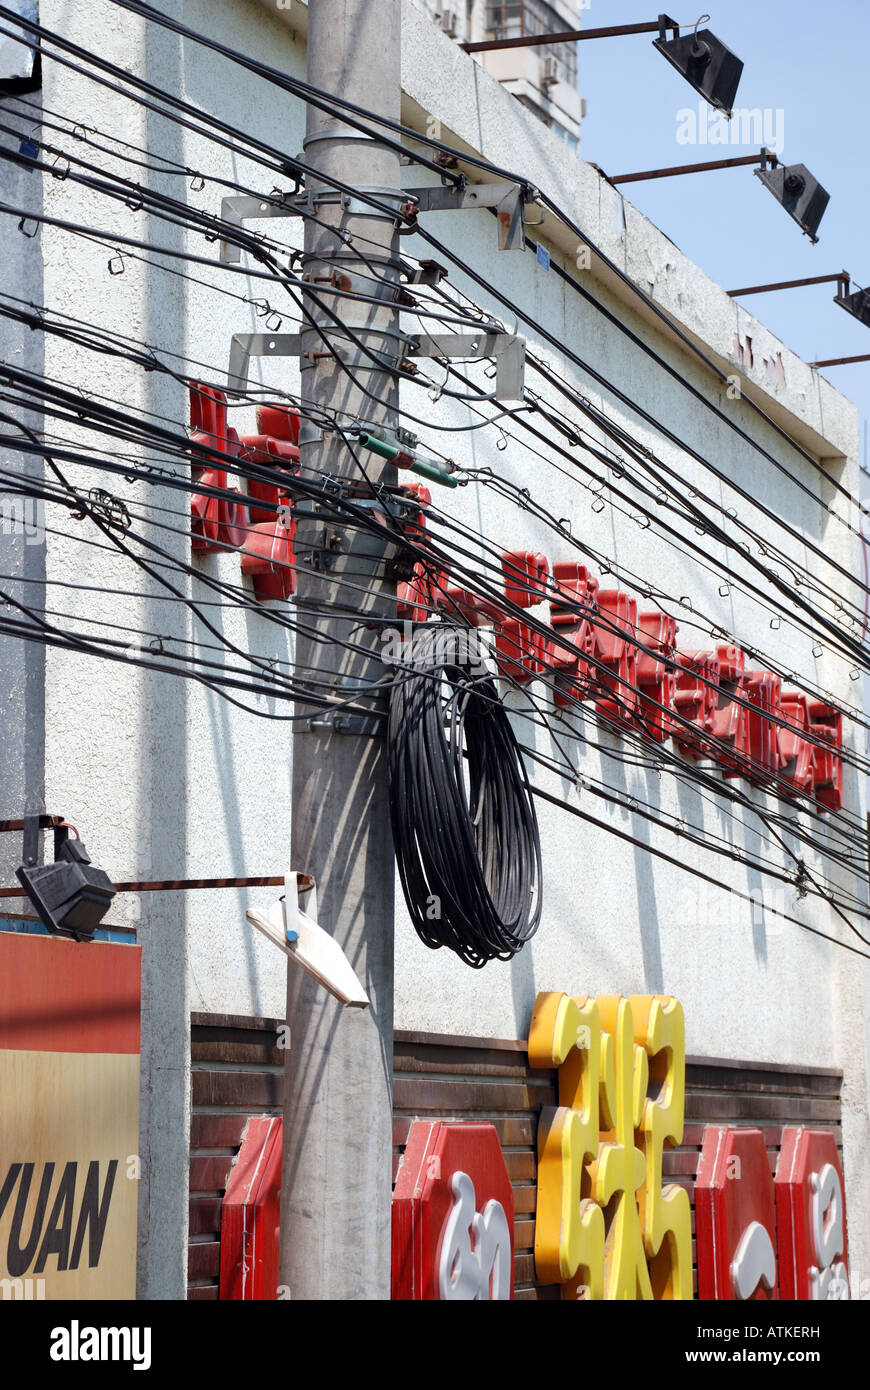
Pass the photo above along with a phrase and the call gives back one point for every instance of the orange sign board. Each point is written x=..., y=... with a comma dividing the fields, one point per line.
x=69, y=1117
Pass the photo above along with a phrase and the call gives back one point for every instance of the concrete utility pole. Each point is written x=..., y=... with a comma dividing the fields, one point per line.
x=335, y=1213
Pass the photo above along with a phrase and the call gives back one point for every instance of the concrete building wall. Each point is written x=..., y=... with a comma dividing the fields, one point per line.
x=615, y=918
x=165, y=779
x=22, y=543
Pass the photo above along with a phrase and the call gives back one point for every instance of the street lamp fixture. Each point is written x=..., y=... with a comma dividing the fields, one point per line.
x=857, y=304
x=702, y=59
x=800, y=194
x=71, y=896
x=792, y=185
x=705, y=62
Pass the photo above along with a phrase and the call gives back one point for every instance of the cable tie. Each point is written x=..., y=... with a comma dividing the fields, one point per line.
x=801, y=880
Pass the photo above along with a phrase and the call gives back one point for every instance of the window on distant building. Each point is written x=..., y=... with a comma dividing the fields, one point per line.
x=513, y=19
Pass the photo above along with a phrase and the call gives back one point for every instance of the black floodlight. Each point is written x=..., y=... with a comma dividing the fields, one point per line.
x=801, y=195
x=701, y=58
x=857, y=304
x=70, y=895
x=711, y=68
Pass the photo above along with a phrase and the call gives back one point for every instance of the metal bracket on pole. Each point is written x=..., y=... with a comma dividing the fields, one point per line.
x=507, y=198
x=508, y=350
x=244, y=207
x=244, y=346
x=31, y=841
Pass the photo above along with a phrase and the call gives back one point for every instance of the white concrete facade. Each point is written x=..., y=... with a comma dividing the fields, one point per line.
x=165, y=779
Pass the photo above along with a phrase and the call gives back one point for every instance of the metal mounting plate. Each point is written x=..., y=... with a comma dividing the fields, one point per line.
x=508, y=199
x=508, y=350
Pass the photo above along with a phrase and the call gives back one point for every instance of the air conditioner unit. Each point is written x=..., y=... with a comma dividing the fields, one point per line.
x=549, y=71
x=449, y=22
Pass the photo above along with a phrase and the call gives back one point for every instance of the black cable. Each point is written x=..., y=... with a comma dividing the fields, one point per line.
x=528, y=617
x=464, y=825
x=687, y=868
x=329, y=102
x=430, y=239
x=333, y=103
x=666, y=500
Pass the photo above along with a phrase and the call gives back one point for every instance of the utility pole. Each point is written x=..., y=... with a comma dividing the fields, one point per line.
x=335, y=1211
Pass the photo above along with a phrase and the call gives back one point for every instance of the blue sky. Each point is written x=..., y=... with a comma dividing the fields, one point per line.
x=805, y=61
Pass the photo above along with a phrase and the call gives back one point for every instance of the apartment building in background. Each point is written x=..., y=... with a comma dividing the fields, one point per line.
x=543, y=79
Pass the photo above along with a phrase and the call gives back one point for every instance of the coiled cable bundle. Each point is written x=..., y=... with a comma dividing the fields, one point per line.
x=464, y=825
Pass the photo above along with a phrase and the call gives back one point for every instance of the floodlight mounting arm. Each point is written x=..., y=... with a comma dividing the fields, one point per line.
x=765, y=158
x=31, y=825
x=841, y=361
x=842, y=279
x=615, y=31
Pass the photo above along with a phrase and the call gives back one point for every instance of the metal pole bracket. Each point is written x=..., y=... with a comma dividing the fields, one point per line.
x=508, y=350
x=508, y=199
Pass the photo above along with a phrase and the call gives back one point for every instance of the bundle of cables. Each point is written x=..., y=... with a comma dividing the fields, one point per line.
x=464, y=824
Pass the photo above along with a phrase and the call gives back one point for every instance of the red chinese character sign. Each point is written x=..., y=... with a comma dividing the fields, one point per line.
x=735, y=1217
x=251, y=1213
x=758, y=1239
x=811, y=1216
x=453, y=1215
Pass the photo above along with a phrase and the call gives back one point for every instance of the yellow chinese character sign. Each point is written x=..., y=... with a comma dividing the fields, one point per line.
x=606, y=1227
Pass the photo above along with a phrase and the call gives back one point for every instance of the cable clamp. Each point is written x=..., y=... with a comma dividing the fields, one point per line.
x=356, y=724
